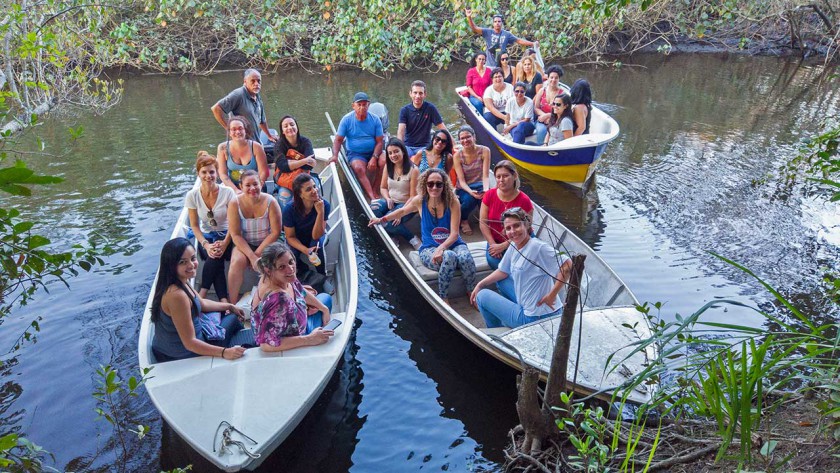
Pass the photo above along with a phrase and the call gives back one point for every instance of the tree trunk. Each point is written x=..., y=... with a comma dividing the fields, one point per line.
x=560, y=357
x=538, y=421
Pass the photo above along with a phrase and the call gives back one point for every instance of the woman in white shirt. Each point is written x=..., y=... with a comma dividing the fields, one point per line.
x=518, y=115
x=496, y=98
x=530, y=278
x=207, y=207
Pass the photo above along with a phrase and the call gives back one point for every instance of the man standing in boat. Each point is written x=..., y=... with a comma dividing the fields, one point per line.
x=417, y=119
x=245, y=101
x=496, y=38
x=364, y=135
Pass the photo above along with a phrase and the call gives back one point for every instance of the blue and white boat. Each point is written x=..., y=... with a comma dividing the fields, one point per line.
x=571, y=161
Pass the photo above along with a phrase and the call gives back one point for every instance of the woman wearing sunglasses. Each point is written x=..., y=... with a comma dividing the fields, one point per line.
x=560, y=124
x=508, y=68
x=207, y=207
x=530, y=278
x=437, y=155
x=518, y=115
x=442, y=250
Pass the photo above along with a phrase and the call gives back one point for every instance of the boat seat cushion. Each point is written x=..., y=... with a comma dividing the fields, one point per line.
x=478, y=250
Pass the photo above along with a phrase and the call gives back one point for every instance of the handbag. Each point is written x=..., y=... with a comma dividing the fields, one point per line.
x=285, y=179
x=210, y=328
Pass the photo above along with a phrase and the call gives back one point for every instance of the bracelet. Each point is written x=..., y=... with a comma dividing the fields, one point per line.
x=223, y=352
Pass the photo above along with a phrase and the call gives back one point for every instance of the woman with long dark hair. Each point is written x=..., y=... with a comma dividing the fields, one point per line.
x=182, y=330
x=581, y=106
x=295, y=156
x=561, y=123
x=398, y=186
x=437, y=155
x=478, y=79
x=305, y=225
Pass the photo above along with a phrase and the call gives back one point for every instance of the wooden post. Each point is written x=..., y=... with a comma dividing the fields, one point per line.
x=558, y=371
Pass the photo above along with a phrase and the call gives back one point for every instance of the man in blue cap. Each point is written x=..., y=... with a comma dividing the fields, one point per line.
x=364, y=136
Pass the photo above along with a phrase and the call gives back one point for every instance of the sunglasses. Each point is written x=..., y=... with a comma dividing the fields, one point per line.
x=212, y=218
x=434, y=184
x=558, y=104
x=440, y=139
x=518, y=91
x=503, y=59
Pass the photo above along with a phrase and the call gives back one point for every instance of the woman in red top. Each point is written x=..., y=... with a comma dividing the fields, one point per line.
x=504, y=196
x=478, y=78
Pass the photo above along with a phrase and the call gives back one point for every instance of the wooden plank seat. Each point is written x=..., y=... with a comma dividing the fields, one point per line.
x=478, y=250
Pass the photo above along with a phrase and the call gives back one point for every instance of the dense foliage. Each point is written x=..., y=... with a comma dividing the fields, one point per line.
x=384, y=35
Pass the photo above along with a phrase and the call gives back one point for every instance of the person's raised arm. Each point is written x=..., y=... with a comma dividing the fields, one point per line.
x=475, y=29
x=525, y=42
x=320, y=227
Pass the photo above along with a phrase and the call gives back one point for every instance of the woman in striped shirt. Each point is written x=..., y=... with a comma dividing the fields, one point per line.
x=259, y=224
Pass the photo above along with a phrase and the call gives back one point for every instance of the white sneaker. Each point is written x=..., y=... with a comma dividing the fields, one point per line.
x=415, y=242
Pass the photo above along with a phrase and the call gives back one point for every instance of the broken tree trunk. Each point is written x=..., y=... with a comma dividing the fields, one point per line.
x=538, y=421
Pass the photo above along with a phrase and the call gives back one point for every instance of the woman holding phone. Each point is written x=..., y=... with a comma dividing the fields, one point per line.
x=284, y=314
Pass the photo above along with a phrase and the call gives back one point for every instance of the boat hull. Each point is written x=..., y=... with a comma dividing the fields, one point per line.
x=195, y=395
x=571, y=161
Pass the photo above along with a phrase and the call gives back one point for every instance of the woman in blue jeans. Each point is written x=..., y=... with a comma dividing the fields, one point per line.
x=530, y=278
x=472, y=168
x=398, y=186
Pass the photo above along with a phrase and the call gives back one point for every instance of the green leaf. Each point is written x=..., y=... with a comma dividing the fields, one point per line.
x=8, y=442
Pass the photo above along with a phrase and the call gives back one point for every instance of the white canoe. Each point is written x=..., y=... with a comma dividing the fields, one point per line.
x=195, y=395
x=601, y=325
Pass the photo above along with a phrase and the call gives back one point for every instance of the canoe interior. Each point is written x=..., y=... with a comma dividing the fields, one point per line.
x=196, y=394
x=602, y=291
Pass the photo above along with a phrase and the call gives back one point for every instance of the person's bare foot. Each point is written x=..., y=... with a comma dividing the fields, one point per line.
x=466, y=229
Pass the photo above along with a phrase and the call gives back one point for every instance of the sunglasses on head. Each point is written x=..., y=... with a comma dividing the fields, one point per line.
x=514, y=212
x=434, y=184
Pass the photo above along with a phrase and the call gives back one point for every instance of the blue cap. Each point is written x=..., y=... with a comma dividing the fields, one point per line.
x=361, y=97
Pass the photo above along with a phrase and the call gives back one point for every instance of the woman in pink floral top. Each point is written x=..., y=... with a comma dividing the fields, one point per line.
x=284, y=315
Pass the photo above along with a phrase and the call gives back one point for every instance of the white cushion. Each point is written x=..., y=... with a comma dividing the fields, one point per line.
x=478, y=250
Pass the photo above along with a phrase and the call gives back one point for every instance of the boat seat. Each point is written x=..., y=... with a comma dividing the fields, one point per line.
x=478, y=249
x=499, y=331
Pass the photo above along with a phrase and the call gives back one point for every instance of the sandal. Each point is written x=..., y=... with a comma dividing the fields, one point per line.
x=465, y=228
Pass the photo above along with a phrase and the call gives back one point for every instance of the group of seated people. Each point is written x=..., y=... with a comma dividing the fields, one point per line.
x=238, y=222
x=525, y=104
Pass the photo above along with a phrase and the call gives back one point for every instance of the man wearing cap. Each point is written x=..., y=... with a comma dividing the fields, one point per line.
x=417, y=119
x=496, y=39
x=364, y=135
x=245, y=101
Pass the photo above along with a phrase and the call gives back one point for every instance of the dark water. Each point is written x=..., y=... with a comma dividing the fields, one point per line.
x=691, y=173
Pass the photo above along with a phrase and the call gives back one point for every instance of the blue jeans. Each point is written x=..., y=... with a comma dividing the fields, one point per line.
x=501, y=311
x=468, y=202
x=492, y=261
x=317, y=319
x=380, y=209
x=478, y=104
x=284, y=196
x=493, y=120
x=522, y=131
x=541, y=131
x=412, y=150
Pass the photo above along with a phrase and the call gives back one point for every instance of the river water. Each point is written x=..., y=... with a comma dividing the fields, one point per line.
x=694, y=171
